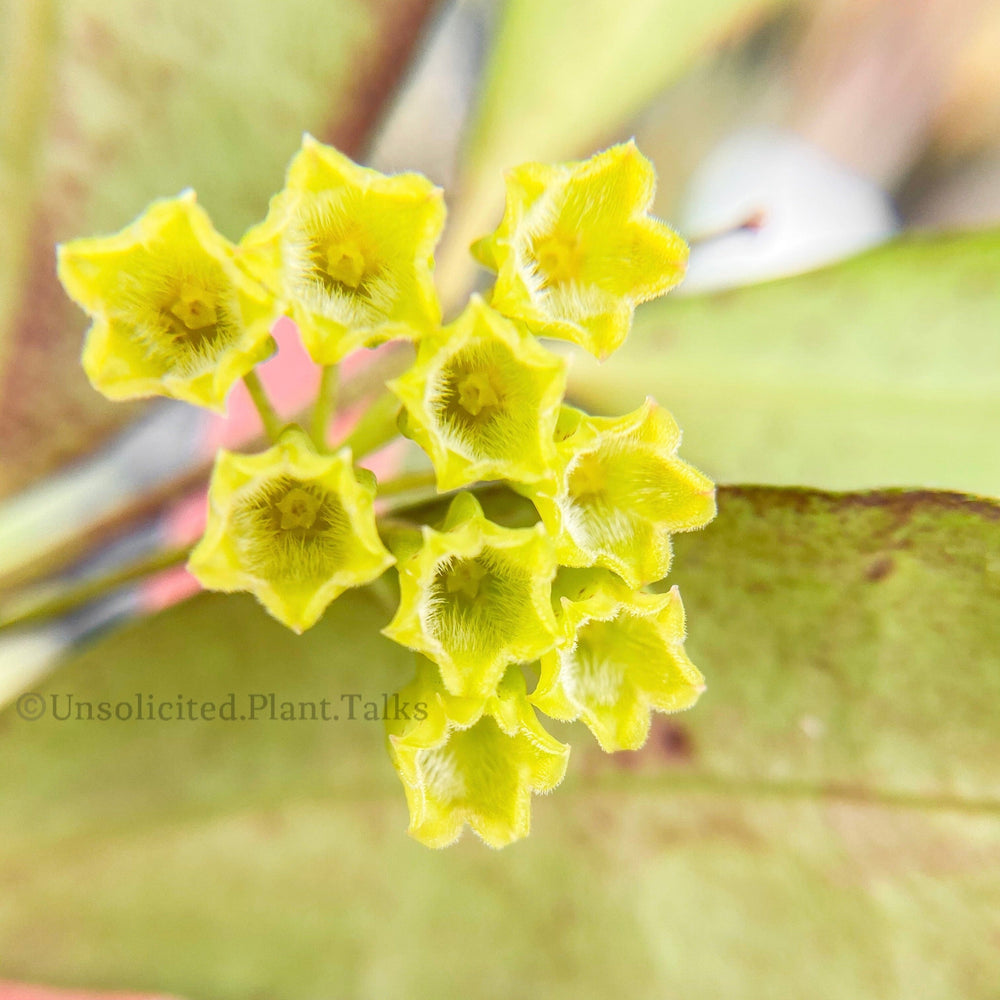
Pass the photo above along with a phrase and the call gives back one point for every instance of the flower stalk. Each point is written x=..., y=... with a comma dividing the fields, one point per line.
x=325, y=405
x=377, y=426
x=269, y=418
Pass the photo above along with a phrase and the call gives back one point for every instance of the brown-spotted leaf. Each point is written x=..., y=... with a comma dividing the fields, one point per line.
x=825, y=822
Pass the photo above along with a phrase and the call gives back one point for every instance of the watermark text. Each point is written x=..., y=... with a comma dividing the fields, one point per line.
x=260, y=706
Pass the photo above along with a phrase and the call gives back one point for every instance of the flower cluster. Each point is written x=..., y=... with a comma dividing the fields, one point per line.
x=348, y=254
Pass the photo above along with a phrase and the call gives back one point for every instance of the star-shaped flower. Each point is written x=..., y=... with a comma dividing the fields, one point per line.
x=351, y=252
x=292, y=526
x=621, y=656
x=475, y=597
x=482, y=400
x=470, y=760
x=577, y=250
x=619, y=492
x=173, y=313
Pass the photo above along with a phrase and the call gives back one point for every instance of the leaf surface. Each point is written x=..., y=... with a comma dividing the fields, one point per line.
x=825, y=822
x=880, y=371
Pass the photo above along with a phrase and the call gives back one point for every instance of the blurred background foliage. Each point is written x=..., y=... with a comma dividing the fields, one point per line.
x=109, y=105
x=827, y=821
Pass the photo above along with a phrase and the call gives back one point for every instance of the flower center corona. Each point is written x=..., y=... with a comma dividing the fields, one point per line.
x=476, y=393
x=588, y=477
x=345, y=264
x=298, y=509
x=195, y=307
x=558, y=259
x=465, y=579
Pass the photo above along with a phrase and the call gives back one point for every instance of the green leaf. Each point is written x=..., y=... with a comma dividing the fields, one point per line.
x=112, y=103
x=825, y=822
x=560, y=80
x=880, y=371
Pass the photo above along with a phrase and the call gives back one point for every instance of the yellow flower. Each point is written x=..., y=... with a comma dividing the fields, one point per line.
x=576, y=249
x=482, y=400
x=472, y=761
x=351, y=251
x=173, y=314
x=621, y=656
x=619, y=492
x=475, y=597
x=294, y=527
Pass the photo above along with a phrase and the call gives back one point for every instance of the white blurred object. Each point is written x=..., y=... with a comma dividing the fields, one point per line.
x=423, y=129
x=765, y=203
x=163, y=444
x=26, y=658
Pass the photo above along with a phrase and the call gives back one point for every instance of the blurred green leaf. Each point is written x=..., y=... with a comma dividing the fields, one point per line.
x=112, y=103
x=826, y=822
x=881, y=371
x=563, y=78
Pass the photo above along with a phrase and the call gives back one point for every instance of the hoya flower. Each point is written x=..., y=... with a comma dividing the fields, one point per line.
x=621, y=656
x=351, y=251
x=173, y=314
x=482, y=400
x=475, y=597
x=619, y=492
x=294, y=527
x=577, y=250
x=470, y=760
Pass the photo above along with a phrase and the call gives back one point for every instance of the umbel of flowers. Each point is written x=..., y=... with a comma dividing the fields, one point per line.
x=348, y=254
